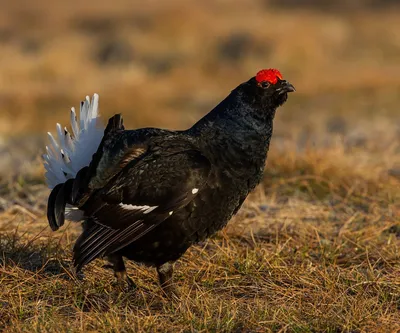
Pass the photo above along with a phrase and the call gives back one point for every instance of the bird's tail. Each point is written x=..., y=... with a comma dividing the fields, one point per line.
x=66, y=198
x=68, y=154
x=67, y=157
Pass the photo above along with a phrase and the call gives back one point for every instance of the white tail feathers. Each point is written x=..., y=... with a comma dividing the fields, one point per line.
x=70, y=153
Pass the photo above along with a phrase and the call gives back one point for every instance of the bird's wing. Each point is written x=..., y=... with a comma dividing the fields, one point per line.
x=139, y=198
x=118, y=149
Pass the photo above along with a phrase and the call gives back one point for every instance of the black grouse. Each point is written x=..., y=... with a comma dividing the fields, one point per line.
x=149, y=194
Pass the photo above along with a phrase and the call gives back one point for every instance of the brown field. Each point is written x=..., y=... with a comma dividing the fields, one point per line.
x=316, y=248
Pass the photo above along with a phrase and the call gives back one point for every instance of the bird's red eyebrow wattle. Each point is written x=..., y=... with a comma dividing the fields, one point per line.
x=269, y=75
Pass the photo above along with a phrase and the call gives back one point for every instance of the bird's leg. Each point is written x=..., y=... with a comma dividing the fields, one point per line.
x=120, y=271
x=165, y=274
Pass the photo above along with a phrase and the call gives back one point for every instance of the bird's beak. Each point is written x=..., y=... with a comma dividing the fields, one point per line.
x=287, y=87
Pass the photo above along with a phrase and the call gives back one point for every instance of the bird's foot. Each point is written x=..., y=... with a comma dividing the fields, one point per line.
x=124, y=282
x=165, y=274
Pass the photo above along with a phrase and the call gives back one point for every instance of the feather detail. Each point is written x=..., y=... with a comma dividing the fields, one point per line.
x=69, y=153
x=73, y=214
x=74, y=124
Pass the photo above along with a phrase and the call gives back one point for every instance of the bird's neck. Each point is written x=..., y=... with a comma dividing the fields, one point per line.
x=237, y=132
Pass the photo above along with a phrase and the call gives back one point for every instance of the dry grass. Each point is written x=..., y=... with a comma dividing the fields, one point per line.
x=314, y=249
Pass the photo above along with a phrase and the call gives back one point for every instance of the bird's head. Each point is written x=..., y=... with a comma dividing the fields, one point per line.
x=267, y=88
x=253, y=102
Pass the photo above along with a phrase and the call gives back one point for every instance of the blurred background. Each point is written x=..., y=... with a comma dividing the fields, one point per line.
x=167, y=63
x=315, y=248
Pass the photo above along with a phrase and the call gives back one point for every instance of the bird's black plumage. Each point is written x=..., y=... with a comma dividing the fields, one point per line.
x=149, y=194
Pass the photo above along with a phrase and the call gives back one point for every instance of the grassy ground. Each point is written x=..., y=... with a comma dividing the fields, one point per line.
x=315, y=248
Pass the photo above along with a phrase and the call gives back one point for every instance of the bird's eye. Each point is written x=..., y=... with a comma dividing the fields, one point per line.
x=265, y=84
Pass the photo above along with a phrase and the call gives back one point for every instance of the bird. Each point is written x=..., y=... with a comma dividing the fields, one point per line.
x=149, y=194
